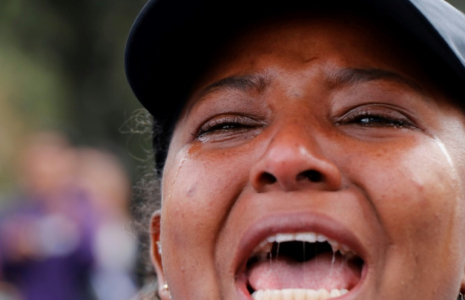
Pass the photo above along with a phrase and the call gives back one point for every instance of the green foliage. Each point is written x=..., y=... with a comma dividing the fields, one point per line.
x=61, y=67
x=460, y=4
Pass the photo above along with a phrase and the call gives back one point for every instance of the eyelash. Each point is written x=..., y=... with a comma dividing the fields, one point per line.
x=369, y=118
x=225, y=124
x=365, y=118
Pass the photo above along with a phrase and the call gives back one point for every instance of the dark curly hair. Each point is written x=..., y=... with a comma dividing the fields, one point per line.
x=147, y=199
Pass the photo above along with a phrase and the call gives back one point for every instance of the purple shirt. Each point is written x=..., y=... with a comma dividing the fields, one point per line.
x=61, y=240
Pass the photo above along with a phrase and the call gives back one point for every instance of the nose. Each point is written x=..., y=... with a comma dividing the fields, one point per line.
x=292, y=161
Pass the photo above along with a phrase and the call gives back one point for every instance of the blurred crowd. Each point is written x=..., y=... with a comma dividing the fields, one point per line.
x=65, y=235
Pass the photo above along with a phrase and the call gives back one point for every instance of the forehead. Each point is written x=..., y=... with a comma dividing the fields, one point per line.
x=314, y=45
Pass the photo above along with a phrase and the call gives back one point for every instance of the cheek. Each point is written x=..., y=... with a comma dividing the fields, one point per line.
x=198, y=190
x=417, y=197
x=421, y=192
x=418, y=190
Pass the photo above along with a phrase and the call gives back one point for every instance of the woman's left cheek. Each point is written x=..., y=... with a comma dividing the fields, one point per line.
x=422, y=195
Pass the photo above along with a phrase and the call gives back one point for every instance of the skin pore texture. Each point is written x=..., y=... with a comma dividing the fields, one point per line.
x=315, y=124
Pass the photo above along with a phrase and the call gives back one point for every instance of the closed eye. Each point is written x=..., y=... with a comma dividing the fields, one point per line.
x=226, y=125
x=376, y=116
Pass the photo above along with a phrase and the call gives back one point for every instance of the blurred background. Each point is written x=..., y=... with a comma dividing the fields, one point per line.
x=70, y=132
x=61, y=68
x=71, y=149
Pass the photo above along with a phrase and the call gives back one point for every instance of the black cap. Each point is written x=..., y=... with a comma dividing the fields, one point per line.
x=172, y=40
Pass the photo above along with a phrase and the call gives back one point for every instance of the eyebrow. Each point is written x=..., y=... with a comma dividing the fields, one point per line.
x=353, y=76
x=245, y=83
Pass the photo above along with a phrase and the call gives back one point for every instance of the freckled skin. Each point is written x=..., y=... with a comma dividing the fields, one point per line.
x=392, y=186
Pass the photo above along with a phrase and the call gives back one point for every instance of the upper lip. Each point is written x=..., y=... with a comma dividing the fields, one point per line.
x=294, y=223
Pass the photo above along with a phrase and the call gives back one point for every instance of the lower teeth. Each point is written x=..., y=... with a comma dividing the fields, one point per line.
x=297, y=294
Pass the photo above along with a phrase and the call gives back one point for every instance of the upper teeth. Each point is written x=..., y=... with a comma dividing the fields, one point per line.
x=297, y=294
x=310, y=237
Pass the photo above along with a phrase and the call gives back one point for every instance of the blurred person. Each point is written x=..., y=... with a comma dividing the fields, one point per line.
x=45, y=240
x=102, y=175
x=8, y=292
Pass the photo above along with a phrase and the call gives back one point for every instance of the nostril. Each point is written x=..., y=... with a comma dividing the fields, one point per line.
x=312, y=175
x=267, y=178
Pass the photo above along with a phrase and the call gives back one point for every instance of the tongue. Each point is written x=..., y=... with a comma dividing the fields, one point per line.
x=322, y=272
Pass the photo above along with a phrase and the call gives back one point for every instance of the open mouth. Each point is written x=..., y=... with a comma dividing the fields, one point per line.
x=301, y=266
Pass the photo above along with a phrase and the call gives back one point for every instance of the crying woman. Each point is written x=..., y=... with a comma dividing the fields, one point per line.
x=307, y=151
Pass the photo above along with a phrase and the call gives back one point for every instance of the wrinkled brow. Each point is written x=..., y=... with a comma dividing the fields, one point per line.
x=246, y=83
x=336, y=79
x=353, y=76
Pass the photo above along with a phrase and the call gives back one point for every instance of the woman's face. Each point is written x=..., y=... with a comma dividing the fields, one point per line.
x=307, y=130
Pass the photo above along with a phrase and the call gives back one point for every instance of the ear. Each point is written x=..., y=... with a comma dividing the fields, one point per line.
x=156, y=255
